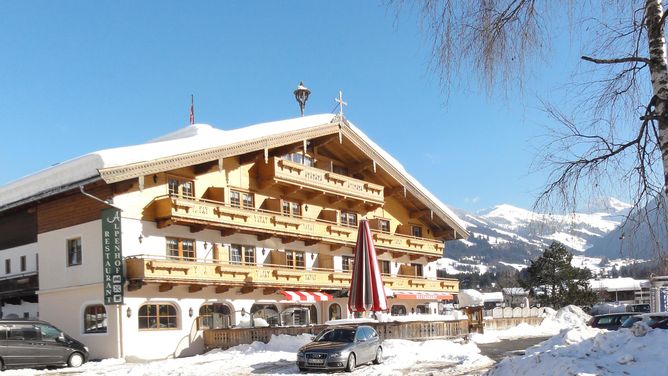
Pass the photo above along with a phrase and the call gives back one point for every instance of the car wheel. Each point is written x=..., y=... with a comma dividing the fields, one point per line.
x=350, y=366
x=75, y=360
x=379, y=356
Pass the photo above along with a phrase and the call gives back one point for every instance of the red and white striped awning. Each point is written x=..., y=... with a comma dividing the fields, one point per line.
x=424, y=295
x=306, y=296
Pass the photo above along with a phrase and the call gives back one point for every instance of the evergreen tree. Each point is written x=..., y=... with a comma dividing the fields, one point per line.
x=552, y=280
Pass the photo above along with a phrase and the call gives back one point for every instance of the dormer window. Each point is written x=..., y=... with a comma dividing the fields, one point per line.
x=299, y=158
x=348, y=218
x=416, y=231
x=238, y=198
x=181, y=187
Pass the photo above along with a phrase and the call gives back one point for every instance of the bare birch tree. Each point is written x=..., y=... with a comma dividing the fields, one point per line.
x=617, y=132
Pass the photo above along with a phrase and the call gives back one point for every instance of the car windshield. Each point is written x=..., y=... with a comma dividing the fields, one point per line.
x=336, y=335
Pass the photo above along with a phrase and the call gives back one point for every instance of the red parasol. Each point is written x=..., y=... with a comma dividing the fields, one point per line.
x=367, y=292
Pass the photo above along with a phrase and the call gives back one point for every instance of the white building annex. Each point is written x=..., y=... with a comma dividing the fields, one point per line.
x=217, y=227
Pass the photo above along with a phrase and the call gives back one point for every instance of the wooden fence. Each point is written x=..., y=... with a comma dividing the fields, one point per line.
x=508, y=312
x=413, y=330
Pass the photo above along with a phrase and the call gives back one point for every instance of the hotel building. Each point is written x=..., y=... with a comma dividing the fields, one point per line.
x=210, y=228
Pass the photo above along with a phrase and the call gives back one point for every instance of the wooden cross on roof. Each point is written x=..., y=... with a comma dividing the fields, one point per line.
x=341, y=103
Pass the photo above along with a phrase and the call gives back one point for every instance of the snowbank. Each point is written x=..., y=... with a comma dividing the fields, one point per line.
x=553, y=322
x=589, y=351
x=279, y=355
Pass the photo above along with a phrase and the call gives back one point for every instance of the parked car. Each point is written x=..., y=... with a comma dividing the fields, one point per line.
x=341, y=347
x=662, y=324
x=34, y=343
x=610, y=321
x=648, y=318
x=639, y=308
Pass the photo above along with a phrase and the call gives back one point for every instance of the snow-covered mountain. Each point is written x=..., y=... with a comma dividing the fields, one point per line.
x=512, y=236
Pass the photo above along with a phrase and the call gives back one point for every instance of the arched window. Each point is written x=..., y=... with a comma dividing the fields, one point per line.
x=398, y=310
x=334, y=311
x=157, y=317
x=214, y=316
x=267, y=312
x=95, y=319
x=422, y=309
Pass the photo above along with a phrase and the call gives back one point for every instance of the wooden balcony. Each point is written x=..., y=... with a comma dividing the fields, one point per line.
x=218, y=215
x=279, y=171
x=151, y=269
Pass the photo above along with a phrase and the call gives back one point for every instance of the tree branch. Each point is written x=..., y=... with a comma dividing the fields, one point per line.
x=630, y=59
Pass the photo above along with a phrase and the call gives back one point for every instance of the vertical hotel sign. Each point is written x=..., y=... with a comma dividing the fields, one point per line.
x=112, y=256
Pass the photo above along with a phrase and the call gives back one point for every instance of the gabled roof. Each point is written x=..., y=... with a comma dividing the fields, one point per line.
x=203, y=143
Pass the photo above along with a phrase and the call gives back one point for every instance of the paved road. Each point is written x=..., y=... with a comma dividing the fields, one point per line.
x=504, y=349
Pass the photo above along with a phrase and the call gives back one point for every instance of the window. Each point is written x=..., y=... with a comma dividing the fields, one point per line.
x=180, y=248
x=8, y=266
x=299, y=158
x=95, y=319
x=384, y=267
x=334, y=311
x=74, y=252
x=23, y=332
x=384, y=225
x=181, y=187
x=398, y=310
x=48, y=332
x=292, y=208
x=23, y=264
x=422, y=309
x=295, y=259
x=417, y=269
x=347, y=263
x=157, y=316
x=416, y=231
x=242, y=254
x=348, y=218
x=214, y=316
x=341, y=170
x=236, y=199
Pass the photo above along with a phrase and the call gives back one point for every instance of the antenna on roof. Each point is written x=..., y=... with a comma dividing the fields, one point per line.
x=192, y=109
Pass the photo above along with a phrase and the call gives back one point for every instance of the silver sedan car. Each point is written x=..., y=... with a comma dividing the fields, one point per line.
x=341, y=347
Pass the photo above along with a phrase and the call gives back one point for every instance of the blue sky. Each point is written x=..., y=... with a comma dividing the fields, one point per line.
x=80, y=76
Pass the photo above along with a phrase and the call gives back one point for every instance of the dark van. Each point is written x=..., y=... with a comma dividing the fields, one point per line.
x=34, y=343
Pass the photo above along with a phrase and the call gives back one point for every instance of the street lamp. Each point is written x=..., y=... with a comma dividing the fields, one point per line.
x=301, y=95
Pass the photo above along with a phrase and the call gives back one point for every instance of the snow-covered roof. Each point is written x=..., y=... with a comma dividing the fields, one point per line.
x=492, y=297
x=194, y=138
x=515, y=291
x=470, y=298
x=616, y=284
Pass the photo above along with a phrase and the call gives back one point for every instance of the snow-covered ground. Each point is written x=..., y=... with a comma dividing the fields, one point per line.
x=574, y=349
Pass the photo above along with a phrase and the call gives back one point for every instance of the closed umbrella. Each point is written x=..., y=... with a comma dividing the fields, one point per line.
x=367, y=292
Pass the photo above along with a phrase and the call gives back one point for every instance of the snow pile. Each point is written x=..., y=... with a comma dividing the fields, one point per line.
x=278, y=357
x=258, y=322
x=588, y=351
x=553, y=322
x=471, y=298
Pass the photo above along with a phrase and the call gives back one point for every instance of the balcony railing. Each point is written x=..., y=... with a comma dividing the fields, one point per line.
x=278, y=170
x=153, y=269
x=189, y=211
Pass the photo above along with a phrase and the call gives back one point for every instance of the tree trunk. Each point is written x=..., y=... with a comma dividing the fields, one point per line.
x=658, y=67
